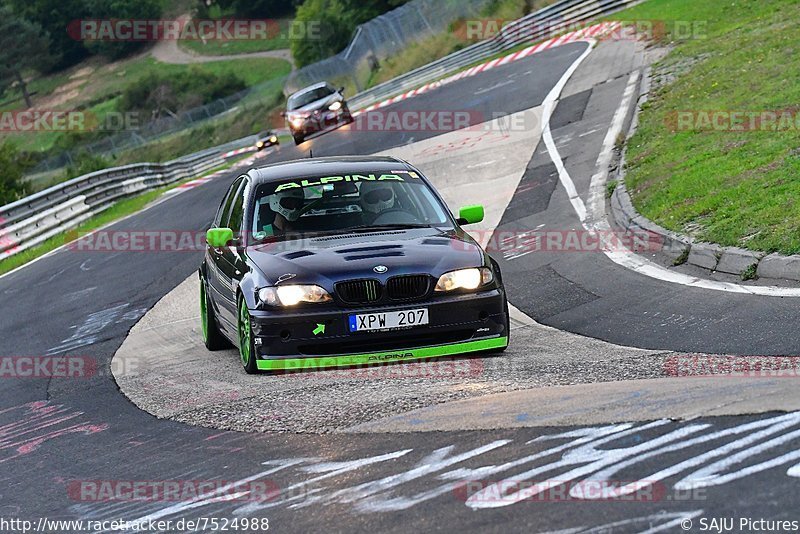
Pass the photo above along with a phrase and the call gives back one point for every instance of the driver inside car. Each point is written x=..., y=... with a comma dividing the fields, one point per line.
x=376, y=197
x=287, y=206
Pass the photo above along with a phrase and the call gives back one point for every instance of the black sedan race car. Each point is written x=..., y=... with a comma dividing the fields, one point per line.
x=340, y=262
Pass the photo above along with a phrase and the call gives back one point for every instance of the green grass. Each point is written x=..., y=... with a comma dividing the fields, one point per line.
x=119, y=210
x=732, y=188
x=99, y=91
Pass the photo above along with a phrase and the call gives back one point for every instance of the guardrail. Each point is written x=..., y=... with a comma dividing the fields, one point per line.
x=38, y=217
x=545, y=23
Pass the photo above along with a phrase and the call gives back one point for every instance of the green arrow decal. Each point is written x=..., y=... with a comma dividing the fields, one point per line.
x=320, y=329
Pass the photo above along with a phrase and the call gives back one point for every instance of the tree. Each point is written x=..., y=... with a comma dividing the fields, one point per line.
x=56, y=17
x=248, y=8
x=124, y=10
x=24, y=46
x=337, y=20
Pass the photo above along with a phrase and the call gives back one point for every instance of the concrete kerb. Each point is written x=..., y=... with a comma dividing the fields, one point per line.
x=682, y=248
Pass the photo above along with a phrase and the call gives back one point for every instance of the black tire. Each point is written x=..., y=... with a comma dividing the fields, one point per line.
x=348, y=117
x=212, y=338
x=298, y=139
x=247, y=349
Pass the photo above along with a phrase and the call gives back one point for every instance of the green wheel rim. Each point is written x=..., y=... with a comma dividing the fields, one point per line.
x=244, y=333
x=203, y=311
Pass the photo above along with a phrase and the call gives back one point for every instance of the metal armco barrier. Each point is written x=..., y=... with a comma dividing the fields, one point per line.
x=38, y=217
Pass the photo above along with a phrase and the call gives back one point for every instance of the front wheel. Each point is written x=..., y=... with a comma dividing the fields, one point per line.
x=298, y=139
x=247, y=351
x=212, y=338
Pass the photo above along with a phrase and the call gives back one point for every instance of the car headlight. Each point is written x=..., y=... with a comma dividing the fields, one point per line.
x=260, y=144
x=297, y=122
x=291, y=295
x=336, y=106
x=273, y=139
x=465, y=279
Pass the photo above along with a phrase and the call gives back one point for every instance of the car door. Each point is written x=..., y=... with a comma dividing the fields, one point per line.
x=217, y=276
x=231, y=262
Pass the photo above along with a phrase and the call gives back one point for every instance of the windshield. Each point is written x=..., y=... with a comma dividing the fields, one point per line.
x=341, y=204
x=303, y=99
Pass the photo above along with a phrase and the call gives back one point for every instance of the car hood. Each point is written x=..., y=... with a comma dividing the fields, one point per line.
x=327, y=260
x=323, y=103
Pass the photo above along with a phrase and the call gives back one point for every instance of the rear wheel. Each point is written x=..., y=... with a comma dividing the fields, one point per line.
x=212, y=338
x=247, y=351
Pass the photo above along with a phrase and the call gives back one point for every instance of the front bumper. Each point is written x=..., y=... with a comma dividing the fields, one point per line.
x=316, y=339
x=321, y=122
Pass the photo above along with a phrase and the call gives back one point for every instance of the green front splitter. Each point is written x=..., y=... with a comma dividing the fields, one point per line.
x=373, y=358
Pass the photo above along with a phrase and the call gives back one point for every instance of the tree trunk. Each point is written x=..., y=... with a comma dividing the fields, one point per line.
x=24, y=88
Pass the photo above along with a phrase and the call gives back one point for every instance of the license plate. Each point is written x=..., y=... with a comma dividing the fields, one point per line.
x=364, y=322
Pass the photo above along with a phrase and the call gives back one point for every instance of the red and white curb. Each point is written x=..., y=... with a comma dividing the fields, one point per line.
x=239, y=151
x=589, y=34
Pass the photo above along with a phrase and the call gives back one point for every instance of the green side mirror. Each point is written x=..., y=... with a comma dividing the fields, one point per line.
x=219, y=237
x=470, y=214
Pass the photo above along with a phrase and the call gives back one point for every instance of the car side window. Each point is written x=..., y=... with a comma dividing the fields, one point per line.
x=225, y=208
x=237, y=210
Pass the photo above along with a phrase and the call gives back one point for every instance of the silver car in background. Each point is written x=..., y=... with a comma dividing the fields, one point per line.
x=316, y=109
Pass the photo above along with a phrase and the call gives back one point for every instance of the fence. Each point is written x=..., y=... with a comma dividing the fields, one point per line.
x=150, y=131
x=36, y=218
x=383, y=36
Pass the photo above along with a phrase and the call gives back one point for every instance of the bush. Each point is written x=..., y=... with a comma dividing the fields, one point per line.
x=11, y=187
x=84, y=163
x=158, y=94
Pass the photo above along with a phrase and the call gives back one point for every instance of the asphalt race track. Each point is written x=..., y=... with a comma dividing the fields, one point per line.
x=56, y=433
